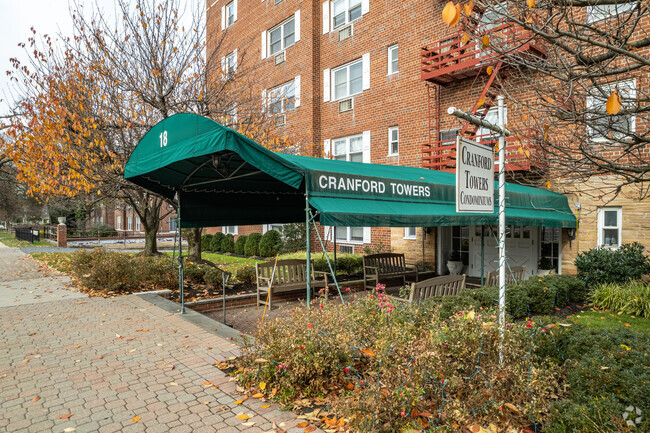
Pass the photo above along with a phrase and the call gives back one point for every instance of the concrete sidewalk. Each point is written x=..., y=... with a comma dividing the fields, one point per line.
x=122, y=364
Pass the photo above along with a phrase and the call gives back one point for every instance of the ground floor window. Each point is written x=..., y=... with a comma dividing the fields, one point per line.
x=230, y=230
x=349, y=234
x=610, y=222
x=550, y=246
x=460, y=242
x=172, y=225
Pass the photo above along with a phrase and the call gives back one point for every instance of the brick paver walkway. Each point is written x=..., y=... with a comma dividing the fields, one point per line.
x=123, y=364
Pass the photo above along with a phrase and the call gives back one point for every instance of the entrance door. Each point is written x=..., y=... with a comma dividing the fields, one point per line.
x=521, y=249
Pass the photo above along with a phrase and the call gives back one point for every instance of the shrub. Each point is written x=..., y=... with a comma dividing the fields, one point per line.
x=349, y=264
x=631, y=298
x=541, y=296
x=246, y=275
x=228, y=244
x=240, y=245
x=270, y=243
x=320, y=264
x=103, y=231
x=215, y=245
x=384, y=366
x=213, y=277
x=194, y=272
x=252, y=244
x=605, y=266
x=293, y=235
x=118, y=272
x=206, y=243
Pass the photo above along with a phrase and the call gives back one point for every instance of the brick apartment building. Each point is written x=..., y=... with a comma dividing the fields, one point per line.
x=127, y=222
x=348, y=73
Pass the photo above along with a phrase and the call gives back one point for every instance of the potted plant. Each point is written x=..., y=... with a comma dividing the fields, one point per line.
x=454, y=262
x=545, y=266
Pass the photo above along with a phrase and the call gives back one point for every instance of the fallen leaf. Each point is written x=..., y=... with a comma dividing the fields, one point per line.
x=36, y=398
x=65, y=416
x=530, y=3
x=136, y=418
x=512, y=408
x=69, y=429
x=173, y=384
x=239, y=401
x=302, y=424
x=243, y=416
x=627, y=324
x=368, y=352
x=308, y=429
x=248, y=424
x=207, y=383
x=258, y=395
x=264, y=406
x=262, y=386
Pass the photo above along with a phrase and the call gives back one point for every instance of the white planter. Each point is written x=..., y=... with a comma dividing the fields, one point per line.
x=455, y=267
x=544, y=272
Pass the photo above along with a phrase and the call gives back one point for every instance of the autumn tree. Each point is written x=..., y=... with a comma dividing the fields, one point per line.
x=86, y=100
x=589, y=115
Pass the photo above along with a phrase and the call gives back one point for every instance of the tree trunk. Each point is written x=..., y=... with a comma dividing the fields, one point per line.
x=150, y=240
x=193, y=243
x=150, y=223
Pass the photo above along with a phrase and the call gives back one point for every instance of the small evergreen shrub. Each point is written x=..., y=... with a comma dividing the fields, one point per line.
x=293, y=235
x=215, y=245
x=240, y=245
x=228, y=244
x=252, y=244
x=246, y=275
x=270, y=243
x=206, y=243
x=349, y=264
x=607, y=266
x=194, y=272
x=213, y=277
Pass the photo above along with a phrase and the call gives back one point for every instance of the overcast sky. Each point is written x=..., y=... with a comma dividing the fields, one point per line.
x=47, y=17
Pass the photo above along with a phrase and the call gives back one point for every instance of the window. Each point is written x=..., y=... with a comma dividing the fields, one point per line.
x=349, y=234
x=173, y=226
x=392, y=60
x=348, y=79
x=276, y=227
x=231, y=16
x=460, y=242
x=345, y=11
x=118, y=223
x=348, y=148
x=393, y=140
x=129, y=223
x=550, y=245
x=600, y=12
x=229, y=64
x=492, y=116
x=409, y=233
x=610, y=222
x=230, y=230
x=137, y=224
x=603, y=126
x=230, y=116
x=448, y=135
x=282, y=36
x=282, y=98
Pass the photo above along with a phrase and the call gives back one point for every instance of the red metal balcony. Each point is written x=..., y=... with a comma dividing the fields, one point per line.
x=449, y=60
x=441, y=155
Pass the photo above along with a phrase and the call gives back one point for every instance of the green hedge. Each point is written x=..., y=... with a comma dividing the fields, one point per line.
x=215, y=245
x=607, y=266
x=270, y=243
x=240, y=245
x=206, y=242
x=252, y=247
x=227, y=244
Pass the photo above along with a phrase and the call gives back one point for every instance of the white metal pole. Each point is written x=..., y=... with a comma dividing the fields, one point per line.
x=502, y=228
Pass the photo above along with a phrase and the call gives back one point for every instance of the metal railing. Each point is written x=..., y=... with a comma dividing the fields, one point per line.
x=27, y=234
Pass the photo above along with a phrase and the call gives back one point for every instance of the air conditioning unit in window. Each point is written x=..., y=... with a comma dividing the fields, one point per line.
x=279, y=120
x=278, y=1
x=279, y=58
x=345, y=105
x=346, y=249
x=345, y=33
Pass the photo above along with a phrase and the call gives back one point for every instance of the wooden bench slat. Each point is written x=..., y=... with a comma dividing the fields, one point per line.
x=289, y=275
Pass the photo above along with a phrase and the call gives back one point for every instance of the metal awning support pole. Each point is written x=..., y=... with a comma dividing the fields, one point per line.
x=224, y=280
x=503, y=132
x=327, y=258
x=180, y=252
x=482, y=255
x=308, y=246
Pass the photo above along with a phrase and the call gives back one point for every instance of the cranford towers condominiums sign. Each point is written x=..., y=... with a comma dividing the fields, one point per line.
x=474, y=177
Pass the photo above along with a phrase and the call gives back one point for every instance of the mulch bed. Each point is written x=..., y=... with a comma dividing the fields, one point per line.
x=195, y=292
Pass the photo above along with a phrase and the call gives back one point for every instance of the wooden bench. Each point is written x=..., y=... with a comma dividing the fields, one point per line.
x=446, y=285
x=289, y=275
x=513, y=275
x=386, y=265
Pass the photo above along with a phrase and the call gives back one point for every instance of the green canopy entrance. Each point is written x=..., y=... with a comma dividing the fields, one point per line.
x=224, y=178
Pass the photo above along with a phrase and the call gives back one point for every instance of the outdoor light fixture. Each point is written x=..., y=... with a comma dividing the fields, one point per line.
x=216, y=160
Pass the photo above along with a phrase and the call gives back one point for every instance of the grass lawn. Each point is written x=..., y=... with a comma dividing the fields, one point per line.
x=607, y=321
x=229, y=263
x=9, y=240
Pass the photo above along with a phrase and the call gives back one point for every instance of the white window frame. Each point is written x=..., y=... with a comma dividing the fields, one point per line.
x=363, y=4
x=628, y=95
x=118, y=222
x=173, y=224
x=229, y=64
x=129, y=223
x=393, y=56
x=230, y=11
x=347, y=153
x=602, y=227
x=410, y=233
x=282, y=94
x=347, y=67
x=138, y=225
x=391, y=141
x=603, y=12
x=230, y=230
x=274, y=226
x=366, y=237
x=282, y=36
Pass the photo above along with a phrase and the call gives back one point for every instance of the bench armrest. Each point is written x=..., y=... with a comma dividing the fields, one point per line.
x=397, y=298
x=325, y=274
x=375, y=269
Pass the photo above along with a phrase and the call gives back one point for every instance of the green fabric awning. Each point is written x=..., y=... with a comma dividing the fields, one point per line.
x=224, y=178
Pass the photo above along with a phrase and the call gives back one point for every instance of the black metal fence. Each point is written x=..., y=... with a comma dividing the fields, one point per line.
x=27, y=234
